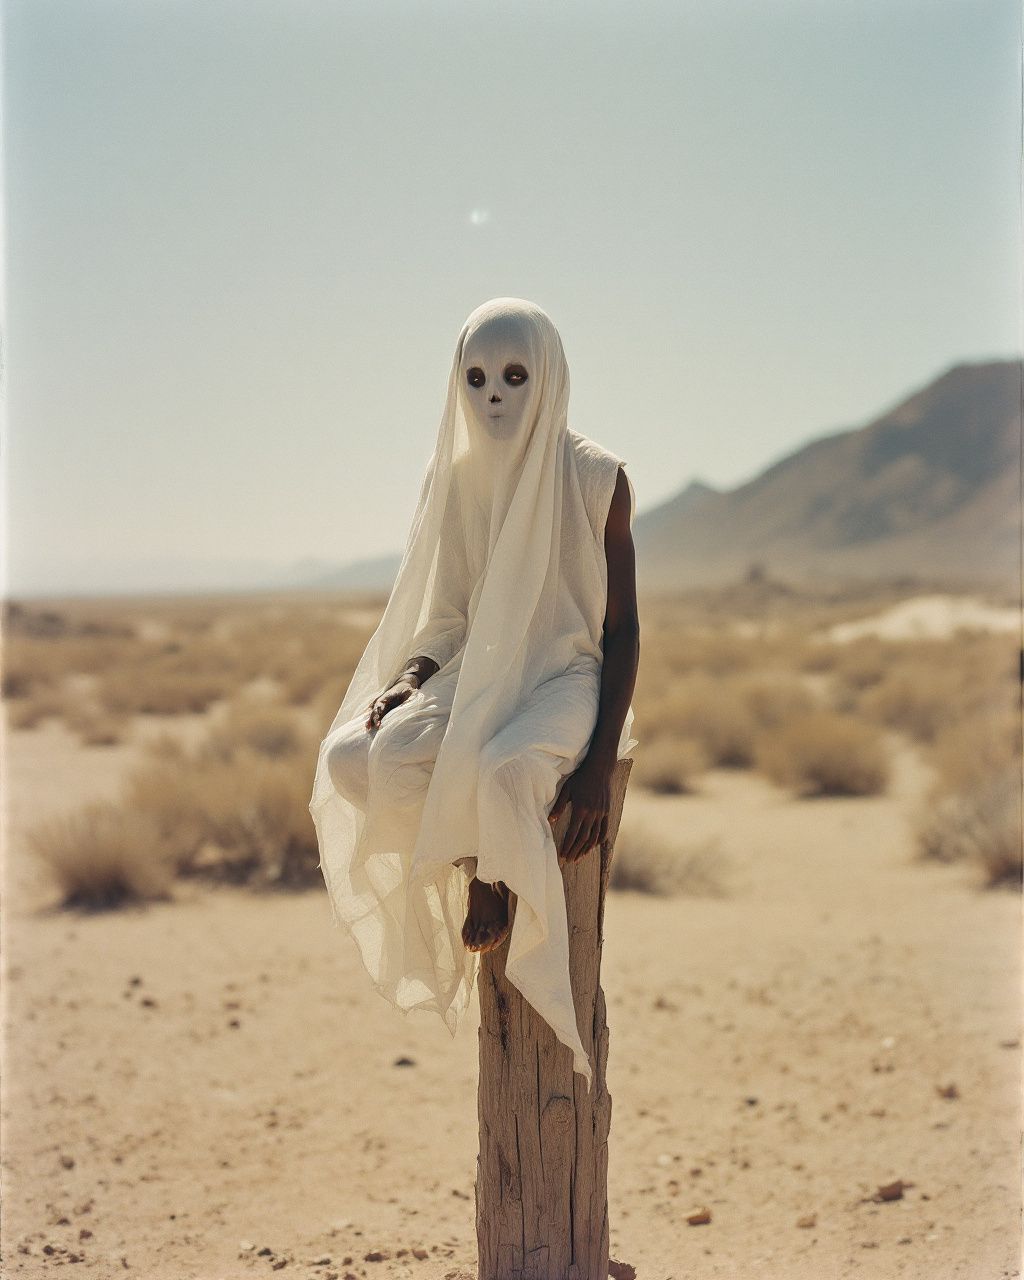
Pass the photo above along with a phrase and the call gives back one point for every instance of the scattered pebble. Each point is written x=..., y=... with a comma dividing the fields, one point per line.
x=891, y=1191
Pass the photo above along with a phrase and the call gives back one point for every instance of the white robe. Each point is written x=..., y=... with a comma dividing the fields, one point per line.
x=409, y=934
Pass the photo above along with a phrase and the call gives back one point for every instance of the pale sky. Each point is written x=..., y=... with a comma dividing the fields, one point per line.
x=242, y=238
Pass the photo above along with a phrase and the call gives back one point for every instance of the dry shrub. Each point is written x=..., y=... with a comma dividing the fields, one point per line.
x=934, y=684
x=668, y=765
x=266, y=729
x=862, y=663
x=719, y=653
x=646, y=862
x=29, y=666
x=158, y=690
x=103, y=856
x=978, y=746
x=39, y=705
x=708, y=711
x=329, y=656
x=164, y=787
x=972, y=811
x=696, y=647
x=102, y=731
x=21, y=672
x=94, y=727
x=824, y=753
x=818, y=656
x=242, y=819
x=981, y=824
x=775, y=698
x=916, y=700
x=36, y=660
x=179, y=657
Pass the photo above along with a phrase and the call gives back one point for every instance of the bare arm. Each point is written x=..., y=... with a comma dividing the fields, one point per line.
x=621, y=630
x=417, y=670
x=588, y=788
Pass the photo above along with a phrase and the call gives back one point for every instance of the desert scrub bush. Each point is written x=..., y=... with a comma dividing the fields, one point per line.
x=775, y=697
x=38, y=663
x=41, y=704
x=718, y=653
x=707, y=710
x=29, y=666
x=680, y=651
x=161, y=688
x=859, y=664
x=917, y=700
x=261, y=727
x=103, y=856
x=330, y=652
x=824, y=753
x=817, y=656
x=972, y=811
x=94, y=726
x=242, y=819
x=980, y=823
x=645, y=861
x=977, y=746
x=668, y=764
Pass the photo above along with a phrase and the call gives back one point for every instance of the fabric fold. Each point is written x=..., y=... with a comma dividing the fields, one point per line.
x=503, y=583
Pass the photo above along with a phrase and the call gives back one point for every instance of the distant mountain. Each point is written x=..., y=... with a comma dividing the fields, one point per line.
x=929, y=488
x=376, y=574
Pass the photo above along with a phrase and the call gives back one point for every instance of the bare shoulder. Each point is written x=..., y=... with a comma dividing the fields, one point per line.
x=620, y=508
x=620, y=554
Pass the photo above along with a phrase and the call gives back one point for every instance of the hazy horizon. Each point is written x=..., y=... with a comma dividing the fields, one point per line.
x=241, y=241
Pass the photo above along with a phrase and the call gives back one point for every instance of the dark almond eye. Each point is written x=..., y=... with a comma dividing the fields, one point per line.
x=475, y=376
x=515, y=375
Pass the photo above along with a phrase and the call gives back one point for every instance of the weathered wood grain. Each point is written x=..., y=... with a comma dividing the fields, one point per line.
x=542, y=1171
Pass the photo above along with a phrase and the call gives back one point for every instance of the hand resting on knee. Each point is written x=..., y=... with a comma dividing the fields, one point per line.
x=400, y=690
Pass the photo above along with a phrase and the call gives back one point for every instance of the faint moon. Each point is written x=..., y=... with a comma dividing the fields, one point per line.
x=479, y=216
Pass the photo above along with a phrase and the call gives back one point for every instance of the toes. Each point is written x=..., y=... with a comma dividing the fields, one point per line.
x=476, y=937
x=480, y=938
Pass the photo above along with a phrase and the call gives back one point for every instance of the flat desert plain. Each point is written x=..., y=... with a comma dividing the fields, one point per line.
x=207, y=1086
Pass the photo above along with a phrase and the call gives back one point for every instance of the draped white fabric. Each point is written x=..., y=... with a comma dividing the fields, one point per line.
x=504, y=584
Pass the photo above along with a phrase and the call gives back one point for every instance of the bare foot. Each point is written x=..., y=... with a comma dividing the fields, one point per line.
x=487, y=919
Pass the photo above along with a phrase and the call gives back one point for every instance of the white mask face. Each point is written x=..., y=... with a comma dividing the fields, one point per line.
x=497, y=383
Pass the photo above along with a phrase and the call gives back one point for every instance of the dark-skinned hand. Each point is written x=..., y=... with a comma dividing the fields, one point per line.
x=589, y=791
x=386, y=701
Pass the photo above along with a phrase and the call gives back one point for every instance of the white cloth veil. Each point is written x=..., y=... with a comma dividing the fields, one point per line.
x=485, y=575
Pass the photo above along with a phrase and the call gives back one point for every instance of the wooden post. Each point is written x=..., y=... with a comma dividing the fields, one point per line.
x=542, y=1172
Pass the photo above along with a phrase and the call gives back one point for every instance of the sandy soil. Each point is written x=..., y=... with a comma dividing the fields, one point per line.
x=209, y=1088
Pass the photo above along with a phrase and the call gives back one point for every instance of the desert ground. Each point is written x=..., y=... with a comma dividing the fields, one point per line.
x=813, y=988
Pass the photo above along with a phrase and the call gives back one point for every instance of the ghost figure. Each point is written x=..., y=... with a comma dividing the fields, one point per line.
x=503, y=585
